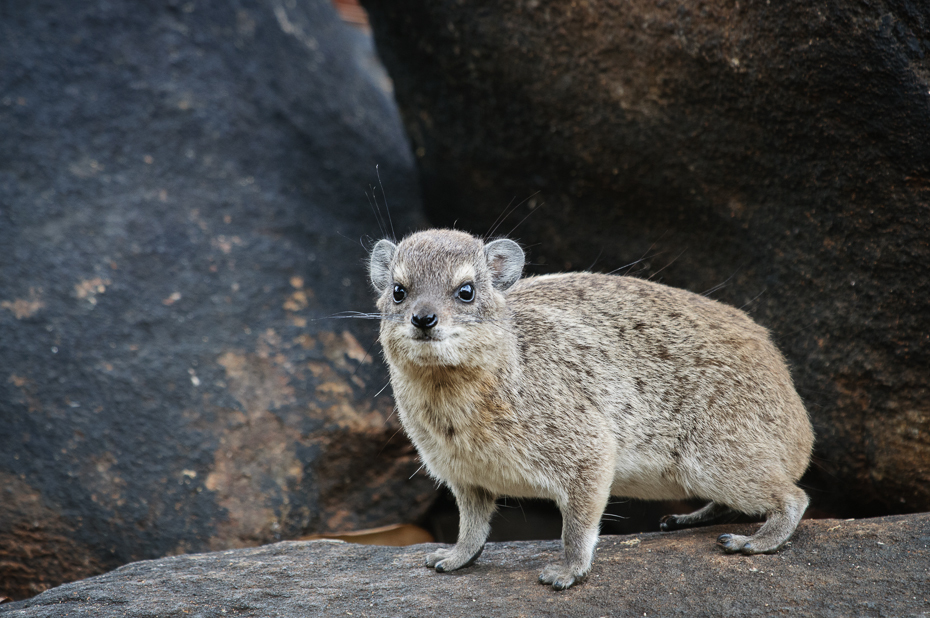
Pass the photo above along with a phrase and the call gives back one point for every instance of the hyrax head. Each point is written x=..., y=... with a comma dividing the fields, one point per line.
x=441, y=296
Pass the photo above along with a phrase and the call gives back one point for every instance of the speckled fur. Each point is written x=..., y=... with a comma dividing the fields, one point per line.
x=580, y=386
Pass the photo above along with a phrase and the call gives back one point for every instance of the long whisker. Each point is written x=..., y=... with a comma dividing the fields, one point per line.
x=498, y=220
x=358, y=315
x=417, y=470
x=388, y=442
x=512, y=210
x=383, y=388
x=376, y=212
x=724, y=284
x=367, y=354
x=764, y=290
x=644, y=256
x=386, y=207
x=599, y=253
x=525, y=218
x=649, y=278
x=394, y=411
x=387, y=318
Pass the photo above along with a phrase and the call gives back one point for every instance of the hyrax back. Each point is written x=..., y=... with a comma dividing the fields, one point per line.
x=579, y=386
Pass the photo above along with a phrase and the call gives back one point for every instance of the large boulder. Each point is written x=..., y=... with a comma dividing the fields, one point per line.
x=182, y=196
x=831, y=568
x=773, y=154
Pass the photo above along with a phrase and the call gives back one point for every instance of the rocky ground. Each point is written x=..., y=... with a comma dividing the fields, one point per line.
x=835, y=568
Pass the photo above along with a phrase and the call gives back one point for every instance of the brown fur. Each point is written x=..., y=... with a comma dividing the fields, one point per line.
x=579, y=386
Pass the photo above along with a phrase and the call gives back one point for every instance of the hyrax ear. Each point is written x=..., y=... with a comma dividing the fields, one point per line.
x=505, y=261
x=379, y=267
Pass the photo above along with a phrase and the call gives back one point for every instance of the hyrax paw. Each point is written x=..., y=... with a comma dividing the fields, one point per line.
x=668, y=523
x=445, y=560
x=558, y=576
x=434, y=558
x=734, y=543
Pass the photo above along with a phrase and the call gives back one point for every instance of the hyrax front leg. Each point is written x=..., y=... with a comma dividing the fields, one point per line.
x=581, y=517
x=780, y=523
x=476, y=506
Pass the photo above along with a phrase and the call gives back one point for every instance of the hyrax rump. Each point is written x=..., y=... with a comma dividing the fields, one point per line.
x=580, y=386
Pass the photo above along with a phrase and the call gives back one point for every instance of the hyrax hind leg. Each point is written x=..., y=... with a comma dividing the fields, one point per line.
x=780, y=523
x=708, y=514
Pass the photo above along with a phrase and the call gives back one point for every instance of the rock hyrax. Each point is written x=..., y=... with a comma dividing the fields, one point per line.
x=580, y=386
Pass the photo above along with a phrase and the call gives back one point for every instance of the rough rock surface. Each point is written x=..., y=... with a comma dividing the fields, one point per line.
x=779, y=149
x=182, y=194
x=874, y=567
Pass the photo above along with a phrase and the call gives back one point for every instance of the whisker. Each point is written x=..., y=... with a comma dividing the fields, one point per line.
x=666, y=266
x=627, y=265
x=599, y=253
x=355, y=317
x=388, y=442
x=374, y=210
x=764, y=290
x=725, y=282
x=367, y=354
x=642, y=259
x=525, y=218
x=358, y=315
x=356, y=312
x=512, y=210
x=394, y=411
x=417, y=470
x=644, y=256
x=498, y=220
x=386, y=207
x=381, y=391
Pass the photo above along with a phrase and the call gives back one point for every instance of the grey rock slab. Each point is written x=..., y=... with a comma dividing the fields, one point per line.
x=876, y=567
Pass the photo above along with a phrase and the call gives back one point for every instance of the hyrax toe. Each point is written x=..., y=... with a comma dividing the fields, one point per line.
x=445, y=560
x=733, y=543
x=434, y=558
x=559, y=576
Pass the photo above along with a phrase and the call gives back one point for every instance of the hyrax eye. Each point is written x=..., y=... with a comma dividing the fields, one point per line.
x=466, y=293
x=399, y=293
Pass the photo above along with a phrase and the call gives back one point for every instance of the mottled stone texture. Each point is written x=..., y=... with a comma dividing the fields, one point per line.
x=182, y=195
x=832, y=568
x=780, y=150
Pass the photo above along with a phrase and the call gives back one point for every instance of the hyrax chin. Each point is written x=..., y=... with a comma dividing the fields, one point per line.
x=579, y=386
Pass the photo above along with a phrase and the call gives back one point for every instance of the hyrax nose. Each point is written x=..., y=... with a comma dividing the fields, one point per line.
x=424, y=321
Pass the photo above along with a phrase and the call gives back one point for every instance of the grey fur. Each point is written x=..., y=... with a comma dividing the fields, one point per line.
x=505, y=261
x=378, y=270
x=576, y=387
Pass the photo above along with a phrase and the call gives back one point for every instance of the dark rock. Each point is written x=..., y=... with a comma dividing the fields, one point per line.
x=182, y=195
x=779, y=150
x=831, y=568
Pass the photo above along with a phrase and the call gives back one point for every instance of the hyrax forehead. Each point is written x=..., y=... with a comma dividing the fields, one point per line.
x=439, y=256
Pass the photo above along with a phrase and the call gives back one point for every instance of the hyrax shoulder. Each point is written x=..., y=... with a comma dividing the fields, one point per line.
x=579, y=386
